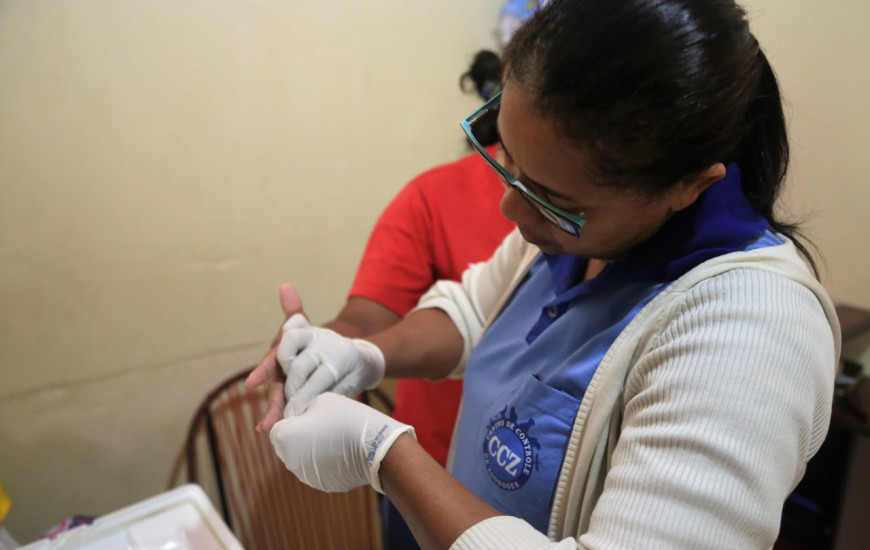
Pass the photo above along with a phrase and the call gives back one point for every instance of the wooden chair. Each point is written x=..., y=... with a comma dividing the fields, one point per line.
x=263, y=503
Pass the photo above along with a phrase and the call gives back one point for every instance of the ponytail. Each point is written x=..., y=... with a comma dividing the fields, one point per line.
x=763, y=155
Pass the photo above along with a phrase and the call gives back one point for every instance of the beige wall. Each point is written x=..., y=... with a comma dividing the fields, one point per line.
x=821, y=52
x=165, y=165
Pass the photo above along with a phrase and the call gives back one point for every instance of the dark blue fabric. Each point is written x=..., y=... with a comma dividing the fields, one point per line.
x=395, y=532
x=719, y=222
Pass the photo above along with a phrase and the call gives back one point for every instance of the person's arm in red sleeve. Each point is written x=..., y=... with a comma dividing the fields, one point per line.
x=397, y=266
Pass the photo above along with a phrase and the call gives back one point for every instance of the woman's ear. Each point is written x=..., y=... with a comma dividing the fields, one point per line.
x=687, y=192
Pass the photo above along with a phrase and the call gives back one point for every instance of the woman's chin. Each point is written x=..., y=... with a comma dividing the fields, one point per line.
x=531, y=239
x=547, y=246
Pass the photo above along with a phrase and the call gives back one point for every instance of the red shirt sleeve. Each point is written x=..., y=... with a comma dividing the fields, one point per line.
x=397, y=265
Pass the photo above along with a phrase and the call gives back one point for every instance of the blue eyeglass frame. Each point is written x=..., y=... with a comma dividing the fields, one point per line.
x=569, y=223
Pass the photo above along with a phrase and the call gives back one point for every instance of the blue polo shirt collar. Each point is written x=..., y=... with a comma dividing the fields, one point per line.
x=719, y=222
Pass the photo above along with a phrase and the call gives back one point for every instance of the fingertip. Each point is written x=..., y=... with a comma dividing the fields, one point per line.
x=290, y=300
x=320, y=381
x=346, y=388
x=265, y=426
x=258, y=375
x=256, y=378
x=295, y=407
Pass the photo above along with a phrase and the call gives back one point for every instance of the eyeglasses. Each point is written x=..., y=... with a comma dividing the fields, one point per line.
x=569, y=223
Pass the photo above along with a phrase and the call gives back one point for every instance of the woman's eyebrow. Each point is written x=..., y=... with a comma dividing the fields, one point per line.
x=526, y=179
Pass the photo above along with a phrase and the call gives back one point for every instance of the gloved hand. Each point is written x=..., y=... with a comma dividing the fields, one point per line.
x=317, y=360
x=269, y=371
x=337, y=444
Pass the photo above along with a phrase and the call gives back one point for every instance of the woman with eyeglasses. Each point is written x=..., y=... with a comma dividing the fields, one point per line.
x=648, y=361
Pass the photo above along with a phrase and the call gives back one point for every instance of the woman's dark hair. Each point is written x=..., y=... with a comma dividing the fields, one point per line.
x=483, y=77
x=658, y=91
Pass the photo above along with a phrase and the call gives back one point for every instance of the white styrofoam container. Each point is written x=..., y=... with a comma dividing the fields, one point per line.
x=179, y=519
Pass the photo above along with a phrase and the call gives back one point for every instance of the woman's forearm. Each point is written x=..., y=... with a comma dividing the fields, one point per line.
x=436, y=506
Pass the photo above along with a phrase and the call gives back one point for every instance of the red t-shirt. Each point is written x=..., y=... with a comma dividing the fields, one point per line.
x=442, y=221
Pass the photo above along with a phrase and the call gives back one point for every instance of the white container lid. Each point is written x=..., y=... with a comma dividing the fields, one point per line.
x=180, y=519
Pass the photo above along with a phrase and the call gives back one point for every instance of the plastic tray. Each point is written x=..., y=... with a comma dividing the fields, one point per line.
x=180, y=519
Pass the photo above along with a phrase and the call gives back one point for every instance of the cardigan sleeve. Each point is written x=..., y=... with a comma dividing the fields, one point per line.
x=721, y=413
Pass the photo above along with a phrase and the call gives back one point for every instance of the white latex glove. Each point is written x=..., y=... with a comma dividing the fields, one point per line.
x=337, y=444
x=317, y=360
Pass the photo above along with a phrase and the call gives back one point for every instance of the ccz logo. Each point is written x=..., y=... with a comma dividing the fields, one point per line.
x=510, y=453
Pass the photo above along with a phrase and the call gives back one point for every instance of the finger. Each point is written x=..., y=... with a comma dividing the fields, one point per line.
x=349, y=386
x=269, y=419
x=266, y=370
x=299, y=369
x=293, y=341
x=277, y=339
x=274, y=409
x=321, y=381
x=291, y=302
x=292, y=409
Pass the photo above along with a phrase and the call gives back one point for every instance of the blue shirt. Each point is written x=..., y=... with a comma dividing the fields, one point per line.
x=525, y=379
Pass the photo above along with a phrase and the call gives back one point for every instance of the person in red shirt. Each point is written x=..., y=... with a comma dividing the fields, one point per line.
x=441, y=221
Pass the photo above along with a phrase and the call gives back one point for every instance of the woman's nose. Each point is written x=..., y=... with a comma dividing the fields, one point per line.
x=516, y=208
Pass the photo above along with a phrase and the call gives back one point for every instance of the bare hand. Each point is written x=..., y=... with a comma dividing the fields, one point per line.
x=269, y=371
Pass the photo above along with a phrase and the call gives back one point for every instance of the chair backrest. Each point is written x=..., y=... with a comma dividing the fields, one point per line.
x=264, y=504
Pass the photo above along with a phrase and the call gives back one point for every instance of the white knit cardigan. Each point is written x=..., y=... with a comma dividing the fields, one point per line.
x=699, y=420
